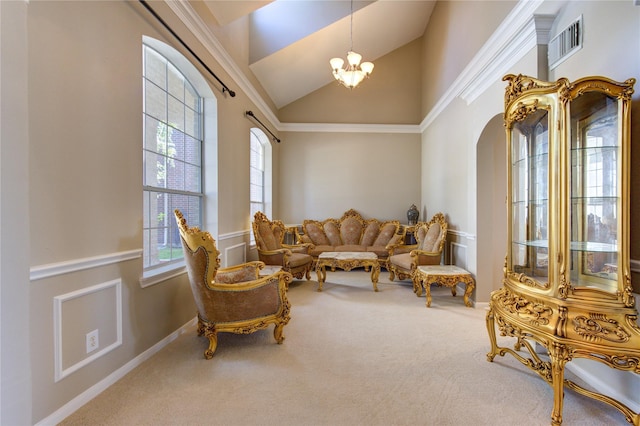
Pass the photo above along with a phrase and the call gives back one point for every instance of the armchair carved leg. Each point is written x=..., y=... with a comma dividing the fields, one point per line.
x=278, y=332
x=209, y=331
x=391, y=273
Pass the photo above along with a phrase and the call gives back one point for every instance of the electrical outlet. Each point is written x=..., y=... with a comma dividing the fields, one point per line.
x=92, y=341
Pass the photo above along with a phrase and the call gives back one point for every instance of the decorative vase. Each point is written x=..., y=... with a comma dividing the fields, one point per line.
x=413, y=214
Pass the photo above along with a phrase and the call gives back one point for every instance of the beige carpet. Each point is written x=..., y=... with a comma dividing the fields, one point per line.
x=351, y=357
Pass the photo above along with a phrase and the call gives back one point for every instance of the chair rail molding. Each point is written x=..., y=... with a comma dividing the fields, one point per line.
x=68, y=266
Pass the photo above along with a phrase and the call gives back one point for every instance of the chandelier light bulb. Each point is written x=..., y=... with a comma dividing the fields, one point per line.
x=354, y=72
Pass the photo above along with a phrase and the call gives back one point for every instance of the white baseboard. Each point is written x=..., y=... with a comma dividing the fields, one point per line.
x=95, y=390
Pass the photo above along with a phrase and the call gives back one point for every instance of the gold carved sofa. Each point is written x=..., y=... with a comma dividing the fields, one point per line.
x=350, y=233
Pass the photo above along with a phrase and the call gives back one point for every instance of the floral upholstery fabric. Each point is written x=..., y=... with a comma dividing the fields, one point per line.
x=266, y=238
x=431, y=238
x=388, y=231
x=351, y=230
x=316, y=234
x=370, y=234
x=248, y=272
x=332, y=232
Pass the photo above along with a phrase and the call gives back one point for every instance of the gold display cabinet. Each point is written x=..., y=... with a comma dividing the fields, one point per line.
x=567, y=284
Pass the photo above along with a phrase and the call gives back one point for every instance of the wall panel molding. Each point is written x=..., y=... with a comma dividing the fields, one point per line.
x=58, y=307
x=235, y=255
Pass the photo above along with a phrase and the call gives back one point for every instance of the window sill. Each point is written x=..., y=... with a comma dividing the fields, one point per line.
x=158, y=275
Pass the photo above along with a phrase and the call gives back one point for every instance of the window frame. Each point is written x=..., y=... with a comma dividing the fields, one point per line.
x=208, y=157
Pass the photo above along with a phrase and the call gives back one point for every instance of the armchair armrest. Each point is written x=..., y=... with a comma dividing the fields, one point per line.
x=422, y=257
x=400, y=248
x=240, y=273
x=274, y=257
x=299, y=248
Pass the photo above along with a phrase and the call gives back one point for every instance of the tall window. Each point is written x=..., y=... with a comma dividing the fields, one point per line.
x=260, y=174
x=172, y=156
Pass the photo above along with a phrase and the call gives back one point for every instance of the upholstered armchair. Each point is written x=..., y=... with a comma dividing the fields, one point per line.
x=269, y=236
x=405, y=259
x=235, y=299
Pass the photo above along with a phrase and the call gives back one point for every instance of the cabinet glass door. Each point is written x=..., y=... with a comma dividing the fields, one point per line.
x=529, y=196
x=595, y=177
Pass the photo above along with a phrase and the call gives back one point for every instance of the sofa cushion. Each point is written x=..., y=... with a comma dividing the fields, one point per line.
x=431, y=238
x=370, y=233
x=350, y=247
x=298, y=259
x=267, y=236
x=402, y=260
x=386, y=234
x=350, y=230
x=316, y=234
x=332, y=231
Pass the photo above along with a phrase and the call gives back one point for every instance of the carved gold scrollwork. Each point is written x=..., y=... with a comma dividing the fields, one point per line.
x=598, y=327
x=525, y=279
x=522, y=111
x=628, y=91
x=627, y=297
x=561, y=325
x=535, y=313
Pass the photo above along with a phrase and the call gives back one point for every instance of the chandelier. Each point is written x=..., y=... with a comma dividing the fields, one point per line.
x=354, y=72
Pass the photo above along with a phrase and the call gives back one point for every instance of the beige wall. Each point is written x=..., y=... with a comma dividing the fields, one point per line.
x=325, y=174
x=390, y=96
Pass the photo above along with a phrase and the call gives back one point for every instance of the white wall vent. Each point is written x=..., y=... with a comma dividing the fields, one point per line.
x=565, y=44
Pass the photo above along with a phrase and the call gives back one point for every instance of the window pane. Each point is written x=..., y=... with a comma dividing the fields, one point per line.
x=154, y=131
x=256, y=193
x=191, y=98
x=175, y=175
x=192, y=178
x=155, y=101
x=192, y=122
x=256, y=177
x=175, y=83
x=154, y=167
x=192, y=150
x=176, y=113
x=154, y=68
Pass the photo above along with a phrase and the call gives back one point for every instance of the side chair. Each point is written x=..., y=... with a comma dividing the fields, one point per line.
x=405, y=259
x=269, y=236
x=235, y=299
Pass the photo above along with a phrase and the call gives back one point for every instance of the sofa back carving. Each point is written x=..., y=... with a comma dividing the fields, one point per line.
x=350, y=230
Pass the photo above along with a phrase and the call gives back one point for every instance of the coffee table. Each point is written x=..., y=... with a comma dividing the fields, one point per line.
x=447, y=276
x=347, y=260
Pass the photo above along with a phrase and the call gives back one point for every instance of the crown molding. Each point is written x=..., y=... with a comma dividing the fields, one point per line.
x=508, y=44
x=349, y=128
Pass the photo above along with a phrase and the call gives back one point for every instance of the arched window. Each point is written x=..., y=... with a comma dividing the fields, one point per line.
x=174, y=131
x=260, y=174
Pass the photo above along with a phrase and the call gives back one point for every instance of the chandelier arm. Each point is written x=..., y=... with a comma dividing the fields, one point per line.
x=354, y=71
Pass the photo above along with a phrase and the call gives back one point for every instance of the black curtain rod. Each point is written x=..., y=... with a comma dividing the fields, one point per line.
x=252, y=115
x=153, y=12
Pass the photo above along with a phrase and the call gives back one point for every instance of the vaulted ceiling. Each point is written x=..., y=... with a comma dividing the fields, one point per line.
x=290, y=42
